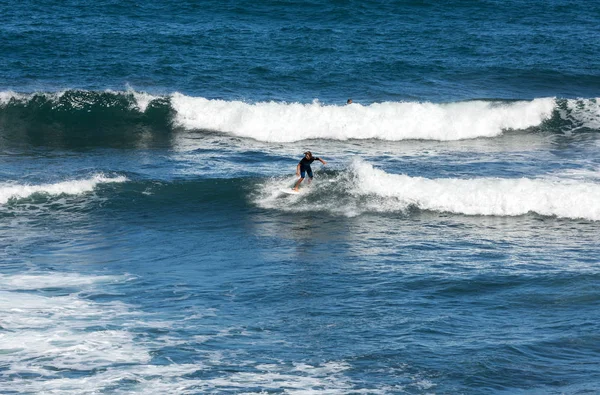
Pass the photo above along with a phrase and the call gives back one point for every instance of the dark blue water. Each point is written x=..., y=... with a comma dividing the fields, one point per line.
x=450, y=245
x=297, y=51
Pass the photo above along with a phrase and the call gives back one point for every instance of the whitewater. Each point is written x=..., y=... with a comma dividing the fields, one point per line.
x=362, y=188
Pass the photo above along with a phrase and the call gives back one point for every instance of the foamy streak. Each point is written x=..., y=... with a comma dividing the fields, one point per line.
x=50, y=328
x=74, y=187
x=483, y=196
x=33, y=282
x=278, y=122
x=43, y=337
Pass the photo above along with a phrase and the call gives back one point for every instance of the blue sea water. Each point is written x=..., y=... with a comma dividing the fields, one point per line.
x=450, y=245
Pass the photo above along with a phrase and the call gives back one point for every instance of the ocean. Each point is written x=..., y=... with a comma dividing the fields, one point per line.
x=450, y=245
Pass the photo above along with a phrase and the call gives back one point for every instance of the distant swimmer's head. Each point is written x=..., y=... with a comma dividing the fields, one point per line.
x=308, y=154
x=349, y=101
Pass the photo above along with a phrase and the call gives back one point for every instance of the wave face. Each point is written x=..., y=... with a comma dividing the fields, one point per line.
x=78, y=118
x=366, y=189
x=114, y=119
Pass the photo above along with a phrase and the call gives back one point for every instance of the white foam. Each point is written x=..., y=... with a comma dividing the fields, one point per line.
x=39, y=330
x=71, y=187
x=179, y=379
x=45, y=338
x=585, y=113
x=363, y=188
x=40, y=281
x=142, y=99
x=6, y=96
x=281, y=122
x=482, y=196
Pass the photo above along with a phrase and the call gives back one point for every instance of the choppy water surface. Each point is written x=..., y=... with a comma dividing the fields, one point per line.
x=450, y=245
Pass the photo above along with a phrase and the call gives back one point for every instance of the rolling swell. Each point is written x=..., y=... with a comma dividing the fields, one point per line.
x=360, y=189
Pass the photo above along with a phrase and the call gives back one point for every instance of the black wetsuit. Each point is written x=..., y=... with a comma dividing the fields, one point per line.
x=305, y=166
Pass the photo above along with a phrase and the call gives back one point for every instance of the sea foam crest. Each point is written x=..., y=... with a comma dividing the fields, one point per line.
x=281, y=122
x=72, y=187
x=480, y=196
x=78, y=99
x=7, y=96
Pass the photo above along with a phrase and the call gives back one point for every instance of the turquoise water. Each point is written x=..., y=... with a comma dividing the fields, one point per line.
x=450, y=245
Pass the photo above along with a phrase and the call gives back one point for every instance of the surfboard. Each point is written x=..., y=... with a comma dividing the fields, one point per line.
x=290, y=191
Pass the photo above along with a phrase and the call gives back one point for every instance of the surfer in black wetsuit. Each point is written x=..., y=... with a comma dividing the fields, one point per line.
x=304, y=167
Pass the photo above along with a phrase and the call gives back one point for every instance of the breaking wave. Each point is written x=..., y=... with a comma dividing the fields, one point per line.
x=80, y=118
x=366, y=189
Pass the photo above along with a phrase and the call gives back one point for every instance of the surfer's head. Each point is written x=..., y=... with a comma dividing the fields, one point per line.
x=308, y=154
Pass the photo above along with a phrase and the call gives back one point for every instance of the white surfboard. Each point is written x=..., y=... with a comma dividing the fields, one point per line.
x=290, y=191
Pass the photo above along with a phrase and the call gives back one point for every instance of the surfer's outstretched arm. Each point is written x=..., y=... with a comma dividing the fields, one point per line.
x=322, y=161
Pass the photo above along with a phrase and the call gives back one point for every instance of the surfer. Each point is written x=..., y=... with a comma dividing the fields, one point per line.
x=349, y=101
x=304, y=167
